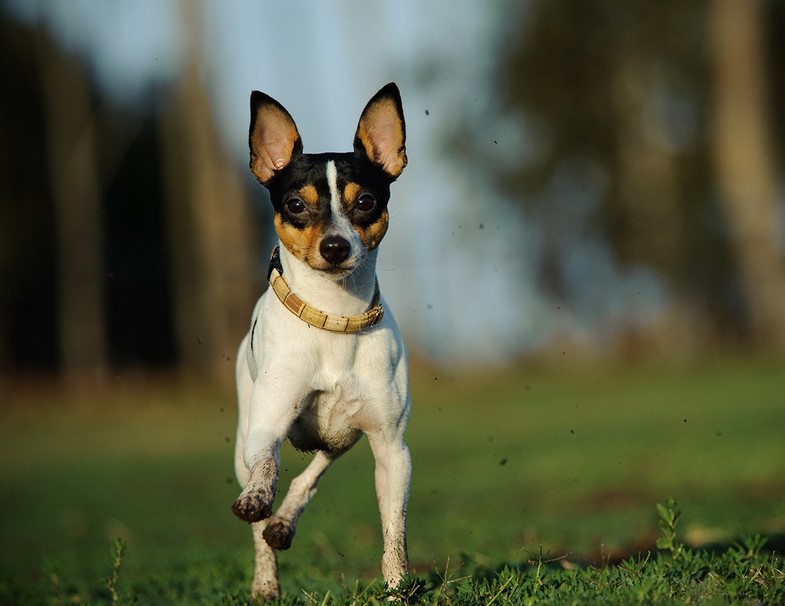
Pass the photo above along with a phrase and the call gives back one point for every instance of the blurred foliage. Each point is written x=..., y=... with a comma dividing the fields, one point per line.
x=610, y=108
x=601, y=132
x=583, y=71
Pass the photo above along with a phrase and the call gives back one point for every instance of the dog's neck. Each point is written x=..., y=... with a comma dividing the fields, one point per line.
x=346, y=296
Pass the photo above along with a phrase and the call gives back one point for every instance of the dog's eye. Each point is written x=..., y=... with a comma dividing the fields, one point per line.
x=295, y=205
x=366, y=202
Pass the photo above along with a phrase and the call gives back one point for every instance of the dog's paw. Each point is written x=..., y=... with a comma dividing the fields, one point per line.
x=278, y=533
x=253, y=506
x=265, y=592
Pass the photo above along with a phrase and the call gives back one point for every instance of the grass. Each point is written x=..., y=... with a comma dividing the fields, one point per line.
x=531, y=485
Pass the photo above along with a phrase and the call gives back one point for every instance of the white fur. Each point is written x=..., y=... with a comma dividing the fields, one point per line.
x=342, y=384
x=339, y=222
x=332, y=184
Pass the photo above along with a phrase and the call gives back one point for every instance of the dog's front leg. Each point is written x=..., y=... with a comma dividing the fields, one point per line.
x=393, y=477
x=256, y=500
x=272, y=412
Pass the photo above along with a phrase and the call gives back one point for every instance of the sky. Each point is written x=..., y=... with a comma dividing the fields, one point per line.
x=457, y=265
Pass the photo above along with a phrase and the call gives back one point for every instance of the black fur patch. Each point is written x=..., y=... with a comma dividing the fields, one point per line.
x=311, y=169
x=253, y=329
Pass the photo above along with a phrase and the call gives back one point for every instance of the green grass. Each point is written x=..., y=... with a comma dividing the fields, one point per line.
x=527, y=482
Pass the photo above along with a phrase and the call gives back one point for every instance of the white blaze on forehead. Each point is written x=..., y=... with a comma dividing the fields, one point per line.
x=339, y=220
x=332, y=183
x=339, y=223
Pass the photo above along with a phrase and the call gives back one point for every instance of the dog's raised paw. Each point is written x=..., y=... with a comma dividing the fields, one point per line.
x=278, y=533
x=252, y=507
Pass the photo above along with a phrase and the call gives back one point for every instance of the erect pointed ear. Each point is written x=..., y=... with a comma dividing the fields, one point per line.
x=381, y=133
x=273, y=138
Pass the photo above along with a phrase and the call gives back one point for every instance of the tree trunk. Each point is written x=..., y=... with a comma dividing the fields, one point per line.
x=209, y=223
x=742, y=157
x=647, y=173
x=73, y=174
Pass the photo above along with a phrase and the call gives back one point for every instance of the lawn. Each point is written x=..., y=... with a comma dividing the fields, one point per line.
x=527, y=463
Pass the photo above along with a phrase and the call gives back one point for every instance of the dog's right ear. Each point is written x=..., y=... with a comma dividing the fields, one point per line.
x=273, y=138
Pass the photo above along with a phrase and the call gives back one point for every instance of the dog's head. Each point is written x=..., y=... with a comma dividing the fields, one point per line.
x=330, y=209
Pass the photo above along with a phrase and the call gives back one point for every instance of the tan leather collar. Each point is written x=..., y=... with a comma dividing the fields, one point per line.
x=311, y=315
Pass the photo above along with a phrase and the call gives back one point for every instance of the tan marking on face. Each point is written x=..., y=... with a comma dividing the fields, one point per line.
x=302, y=243
x=350, y=193
x=309, y=195
x=370, y=235
x=373, y=234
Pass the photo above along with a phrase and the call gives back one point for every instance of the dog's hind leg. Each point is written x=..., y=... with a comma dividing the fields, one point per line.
x=279, y=529
x=265, y=578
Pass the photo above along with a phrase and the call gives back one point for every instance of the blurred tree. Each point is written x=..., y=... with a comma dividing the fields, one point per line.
x=743, y=157
x=54, y=240
x=76, y=191
x=614, y=102
x=27, y=258
x=125, y=235
x=208, y=214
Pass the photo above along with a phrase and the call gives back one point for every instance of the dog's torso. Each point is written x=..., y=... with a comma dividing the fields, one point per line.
x=352, y=382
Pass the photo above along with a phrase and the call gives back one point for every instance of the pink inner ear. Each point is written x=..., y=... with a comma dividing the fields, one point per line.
x=386, y=134
x=272, y=143
x=381, y=133
x=277, y=149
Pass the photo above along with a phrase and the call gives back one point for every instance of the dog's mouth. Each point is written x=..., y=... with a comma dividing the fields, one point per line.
x=338, y=271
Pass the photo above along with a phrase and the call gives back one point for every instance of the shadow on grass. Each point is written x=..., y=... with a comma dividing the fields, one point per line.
x=471, y=567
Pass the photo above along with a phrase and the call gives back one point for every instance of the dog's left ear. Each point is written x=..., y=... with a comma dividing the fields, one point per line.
x=381, y=133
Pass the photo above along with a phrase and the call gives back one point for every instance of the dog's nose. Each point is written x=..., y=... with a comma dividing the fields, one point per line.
x=334, y=249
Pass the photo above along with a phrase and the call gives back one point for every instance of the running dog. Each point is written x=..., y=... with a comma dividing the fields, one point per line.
x=324, y=361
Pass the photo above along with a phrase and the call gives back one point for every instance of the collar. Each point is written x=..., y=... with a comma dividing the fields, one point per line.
x=311, y=315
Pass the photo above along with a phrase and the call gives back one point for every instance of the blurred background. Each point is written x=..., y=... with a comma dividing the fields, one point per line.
x=586, y=255
x=586, y=176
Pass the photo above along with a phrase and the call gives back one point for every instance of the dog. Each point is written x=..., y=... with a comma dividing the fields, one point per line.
x=324, y=361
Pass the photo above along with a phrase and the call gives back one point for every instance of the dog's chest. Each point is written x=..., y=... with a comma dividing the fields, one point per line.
x=329, y=420
x=349, y=378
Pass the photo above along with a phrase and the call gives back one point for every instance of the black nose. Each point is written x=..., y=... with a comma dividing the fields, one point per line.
x=334, y=249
